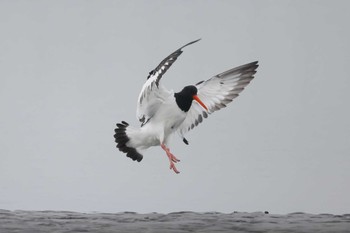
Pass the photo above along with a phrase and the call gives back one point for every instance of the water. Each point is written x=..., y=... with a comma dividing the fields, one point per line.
x=179, y=222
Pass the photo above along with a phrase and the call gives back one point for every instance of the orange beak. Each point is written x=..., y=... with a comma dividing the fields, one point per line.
x=195, y=97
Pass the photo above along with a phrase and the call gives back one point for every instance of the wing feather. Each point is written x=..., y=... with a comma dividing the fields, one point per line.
x=217, y=92
x=152, y=94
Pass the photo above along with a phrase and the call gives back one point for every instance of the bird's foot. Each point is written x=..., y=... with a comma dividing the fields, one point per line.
x=172, y=166
x=172, y=158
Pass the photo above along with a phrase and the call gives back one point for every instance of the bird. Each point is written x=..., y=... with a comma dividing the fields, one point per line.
x=164, y=112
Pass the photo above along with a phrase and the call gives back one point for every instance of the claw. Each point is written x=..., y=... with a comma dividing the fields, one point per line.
x=172, y=166
x=173, y=158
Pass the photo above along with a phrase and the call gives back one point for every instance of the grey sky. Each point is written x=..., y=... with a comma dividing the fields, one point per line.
x=70, y=70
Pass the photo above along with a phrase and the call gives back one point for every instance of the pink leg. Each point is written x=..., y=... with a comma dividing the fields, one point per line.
x=170, y=155
x=172, y=158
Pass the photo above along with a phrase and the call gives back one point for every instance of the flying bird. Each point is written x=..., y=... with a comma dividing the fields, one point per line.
x=163, y=112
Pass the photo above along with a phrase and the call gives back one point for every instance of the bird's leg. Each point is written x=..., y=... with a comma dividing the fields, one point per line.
x=170, y=155
x=172, y=158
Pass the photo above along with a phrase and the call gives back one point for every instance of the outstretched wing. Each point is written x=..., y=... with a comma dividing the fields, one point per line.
x=216, y=92
x=152, y=94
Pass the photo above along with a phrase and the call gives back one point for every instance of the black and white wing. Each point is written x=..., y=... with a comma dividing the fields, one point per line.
x=153, y=94
x=216, y=92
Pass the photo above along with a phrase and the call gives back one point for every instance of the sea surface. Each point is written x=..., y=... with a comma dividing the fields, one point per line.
x=178, y=222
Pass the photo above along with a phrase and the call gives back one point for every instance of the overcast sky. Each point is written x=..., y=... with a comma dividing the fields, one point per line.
x=70, y=70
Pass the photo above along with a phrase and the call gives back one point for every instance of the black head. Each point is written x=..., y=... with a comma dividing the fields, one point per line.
x=189, y=91
x=185, y=97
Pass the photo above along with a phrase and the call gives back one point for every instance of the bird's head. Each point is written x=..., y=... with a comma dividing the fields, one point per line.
x=185, y=97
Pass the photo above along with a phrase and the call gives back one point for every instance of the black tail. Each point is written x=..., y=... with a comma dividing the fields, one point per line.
x=121, y=138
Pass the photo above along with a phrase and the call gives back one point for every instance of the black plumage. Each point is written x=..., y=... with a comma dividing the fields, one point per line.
x=121, y=139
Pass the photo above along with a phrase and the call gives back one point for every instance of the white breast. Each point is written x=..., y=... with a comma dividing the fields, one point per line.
x=158, y=129
x=167, y=119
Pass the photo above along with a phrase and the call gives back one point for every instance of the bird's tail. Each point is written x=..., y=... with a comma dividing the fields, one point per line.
x=122, y=138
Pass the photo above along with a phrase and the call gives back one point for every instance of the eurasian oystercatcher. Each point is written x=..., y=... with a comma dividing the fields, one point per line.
x=163, y=112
